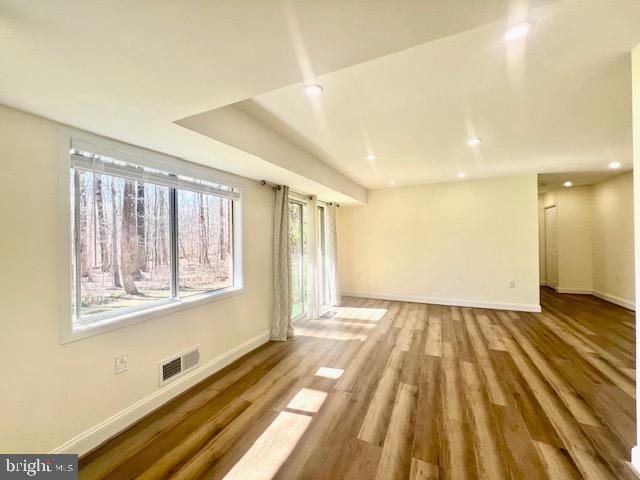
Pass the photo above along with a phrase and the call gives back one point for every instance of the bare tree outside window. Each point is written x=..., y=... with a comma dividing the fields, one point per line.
x=117, y=280
x=204, y=243
x=125, y=239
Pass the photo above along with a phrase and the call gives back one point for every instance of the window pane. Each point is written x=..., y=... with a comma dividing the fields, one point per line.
x=205, y=243
x=296, y=238
x=124, y=243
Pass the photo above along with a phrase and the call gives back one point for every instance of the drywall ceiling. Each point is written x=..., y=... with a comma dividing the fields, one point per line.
x=558, y=101
x=128, y=70
x=551, y=181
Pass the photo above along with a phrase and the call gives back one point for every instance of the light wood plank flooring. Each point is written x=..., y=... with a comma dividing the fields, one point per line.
x=392, y=390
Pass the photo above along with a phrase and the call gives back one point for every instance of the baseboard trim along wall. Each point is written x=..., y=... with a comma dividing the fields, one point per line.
x=573, y=291
x=454, y=302
x=90, y=439
x=604, y=296
x=634, y=465
x=617, y=300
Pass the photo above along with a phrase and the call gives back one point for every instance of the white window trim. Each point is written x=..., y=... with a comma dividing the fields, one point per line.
x=71, y=138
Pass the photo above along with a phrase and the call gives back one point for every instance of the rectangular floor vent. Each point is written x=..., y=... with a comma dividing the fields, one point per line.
x=177, y=365
x=328, y=314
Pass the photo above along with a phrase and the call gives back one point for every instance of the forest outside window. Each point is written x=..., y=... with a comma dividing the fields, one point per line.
x=144, y=239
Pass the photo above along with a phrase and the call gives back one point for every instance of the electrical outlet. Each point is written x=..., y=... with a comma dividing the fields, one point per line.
x=120, y=363
x=512, y=284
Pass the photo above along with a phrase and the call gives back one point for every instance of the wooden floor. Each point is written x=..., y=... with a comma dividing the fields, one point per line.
x=393, y=390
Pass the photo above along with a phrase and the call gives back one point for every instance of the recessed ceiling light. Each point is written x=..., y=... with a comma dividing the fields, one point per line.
x=517, y=31
x=474, y=142
x=313, y=90
x=371, y=157
x=462, y=175
x=392, y=182
x=614, y=165
x=567, y=183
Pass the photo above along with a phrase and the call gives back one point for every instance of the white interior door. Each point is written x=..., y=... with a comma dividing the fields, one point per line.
x=551, y=245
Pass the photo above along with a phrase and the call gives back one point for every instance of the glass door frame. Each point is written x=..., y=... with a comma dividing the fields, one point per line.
x=312, y=266
x=303, y=259
x=322, y=279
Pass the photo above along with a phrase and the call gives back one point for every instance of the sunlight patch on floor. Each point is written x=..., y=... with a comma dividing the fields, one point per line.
x=328, y=372
x=310, y=330
x=308, y=400
x=267, y=454
x=356, y=313
x=342, y=324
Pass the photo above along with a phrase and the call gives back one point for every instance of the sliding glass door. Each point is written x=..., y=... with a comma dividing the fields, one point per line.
x=308, y=247
x=297, y=239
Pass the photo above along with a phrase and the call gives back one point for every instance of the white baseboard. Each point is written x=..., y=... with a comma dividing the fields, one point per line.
x=617, y=300
x=634, y=465
x=633, y=469
x=519, y=307
x=106, y=429
x=604, y=296
x=573, y=291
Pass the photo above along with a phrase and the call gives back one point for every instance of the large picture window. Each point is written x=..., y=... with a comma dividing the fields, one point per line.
x=144, y=238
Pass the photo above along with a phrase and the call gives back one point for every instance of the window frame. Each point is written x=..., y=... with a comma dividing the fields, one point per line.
x=70, y=138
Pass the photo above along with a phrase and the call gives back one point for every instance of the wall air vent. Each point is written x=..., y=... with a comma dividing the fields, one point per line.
x=177, y=365
x=171, y=369
x=191, y=359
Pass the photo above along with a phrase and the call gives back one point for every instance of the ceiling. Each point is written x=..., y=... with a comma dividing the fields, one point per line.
x=558, y=101
x=410, y=79
x=551, y=181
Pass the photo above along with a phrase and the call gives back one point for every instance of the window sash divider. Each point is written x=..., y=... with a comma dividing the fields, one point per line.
x=173, y=244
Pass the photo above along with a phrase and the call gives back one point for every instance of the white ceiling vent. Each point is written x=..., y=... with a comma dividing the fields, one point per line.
x=174, y=367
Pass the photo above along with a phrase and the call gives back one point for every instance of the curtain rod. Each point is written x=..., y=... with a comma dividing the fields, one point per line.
x=270, y=184
x=277, y=187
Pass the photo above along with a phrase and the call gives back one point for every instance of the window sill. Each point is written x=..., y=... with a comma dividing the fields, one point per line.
x=77, y=332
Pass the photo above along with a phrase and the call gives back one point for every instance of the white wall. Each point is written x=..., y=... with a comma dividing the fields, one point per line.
x=613, y=266
x=635, y=83
x=542, y=267
x=457, y=243
x=595, y=238
x=574, y=237
x=55, y=392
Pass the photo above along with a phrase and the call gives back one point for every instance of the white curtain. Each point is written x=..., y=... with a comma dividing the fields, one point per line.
x=331, y=252
x=281, y=326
